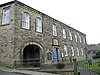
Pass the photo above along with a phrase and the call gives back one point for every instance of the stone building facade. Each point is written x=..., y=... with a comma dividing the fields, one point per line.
x=28, y=36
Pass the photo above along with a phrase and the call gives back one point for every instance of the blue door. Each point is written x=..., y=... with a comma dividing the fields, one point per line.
x=56, y=55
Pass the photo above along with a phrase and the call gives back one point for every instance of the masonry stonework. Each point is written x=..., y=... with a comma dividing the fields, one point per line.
x=14, y=39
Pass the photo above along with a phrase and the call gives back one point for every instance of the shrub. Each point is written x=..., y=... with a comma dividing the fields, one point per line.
x=60, y=65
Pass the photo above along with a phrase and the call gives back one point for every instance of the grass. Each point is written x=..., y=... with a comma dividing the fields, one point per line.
x=94, y=66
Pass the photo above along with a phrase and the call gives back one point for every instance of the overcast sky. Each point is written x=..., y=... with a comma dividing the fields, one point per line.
x=83, y=15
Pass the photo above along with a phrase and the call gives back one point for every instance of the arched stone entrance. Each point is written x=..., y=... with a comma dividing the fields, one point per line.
x=31, y=55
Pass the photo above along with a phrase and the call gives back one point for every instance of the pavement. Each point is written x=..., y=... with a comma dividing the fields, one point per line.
x=87, y=72
x=8, y=71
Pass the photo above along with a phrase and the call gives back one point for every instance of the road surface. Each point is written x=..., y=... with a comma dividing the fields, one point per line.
x=9, y=73
x=87, y=72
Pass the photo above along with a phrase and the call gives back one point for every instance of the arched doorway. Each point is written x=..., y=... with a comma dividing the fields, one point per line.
x=31, y=56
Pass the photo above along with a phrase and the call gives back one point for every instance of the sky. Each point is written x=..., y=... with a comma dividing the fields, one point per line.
x=83, y=15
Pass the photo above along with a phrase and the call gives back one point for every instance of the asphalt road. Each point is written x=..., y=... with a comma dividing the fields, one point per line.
x=87, y=72
x=8, y=73
x=82, y=72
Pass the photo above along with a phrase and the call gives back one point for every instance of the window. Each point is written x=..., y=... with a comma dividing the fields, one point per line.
x=70, y=35
x=64, y=33
x=72, y=51
x=82, y=52
x=65, y=50
x=49, y=55
x=77, y=51
x=54, y=30
x=25, y=20
x=39, y=24
x=6, y=15
x=83, y=40
x=76, y=37
x=80, y=39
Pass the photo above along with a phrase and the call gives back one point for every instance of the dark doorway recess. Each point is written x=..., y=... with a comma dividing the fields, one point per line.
x=31, y=56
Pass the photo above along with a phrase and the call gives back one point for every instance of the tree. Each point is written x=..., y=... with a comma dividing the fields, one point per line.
x=98, y=54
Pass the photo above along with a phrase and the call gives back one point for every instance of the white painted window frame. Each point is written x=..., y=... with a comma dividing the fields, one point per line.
x=80, y=39
x=78, y=52
x=64, y=33
x=54, y=30
x=76, y=39
x=70, y=35
x=65, y=50
x=6, y=15
x=39, y=25
x=82, y=51
x=25, y=20
x=84, y=40
x=72, y=50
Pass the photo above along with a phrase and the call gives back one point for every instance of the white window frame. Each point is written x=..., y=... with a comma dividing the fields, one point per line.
x=84, y=40
x=6, y=15
x=70, y=35
x=65, y=50
x=76, y=39
x=25, y=20
x=80, y=39
x=39, y=26
x=64, y=33
x=72, y=51
x=54, y=30
x=78, y=53
x=82, y=51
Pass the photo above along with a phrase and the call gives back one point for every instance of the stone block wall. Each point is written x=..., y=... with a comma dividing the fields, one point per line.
x=7, y=39
x=13, y=38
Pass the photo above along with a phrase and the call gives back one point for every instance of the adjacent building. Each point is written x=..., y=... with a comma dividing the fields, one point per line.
x=28, y=36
